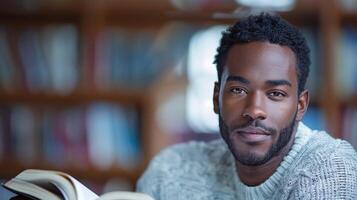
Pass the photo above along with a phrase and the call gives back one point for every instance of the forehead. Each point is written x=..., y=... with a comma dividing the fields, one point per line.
x=261, y=61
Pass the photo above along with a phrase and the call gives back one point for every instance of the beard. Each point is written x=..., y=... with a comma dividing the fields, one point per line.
x=251, y=159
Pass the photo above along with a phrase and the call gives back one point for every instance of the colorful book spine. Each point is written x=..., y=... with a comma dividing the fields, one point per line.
x=346, y=71
x=314, y=118
x=350, y=126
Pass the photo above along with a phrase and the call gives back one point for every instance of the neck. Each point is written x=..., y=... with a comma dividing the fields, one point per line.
x=255, y=175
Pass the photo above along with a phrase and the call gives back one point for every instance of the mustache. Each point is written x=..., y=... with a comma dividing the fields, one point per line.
x=257, y=124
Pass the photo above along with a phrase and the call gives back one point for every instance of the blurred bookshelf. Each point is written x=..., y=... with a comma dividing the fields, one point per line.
x=81, y=83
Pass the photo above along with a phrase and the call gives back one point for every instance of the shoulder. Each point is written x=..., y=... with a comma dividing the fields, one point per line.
x=184, y=157
x=327, y=169
x=323, y=148
x=191, y=152
x=182, y=163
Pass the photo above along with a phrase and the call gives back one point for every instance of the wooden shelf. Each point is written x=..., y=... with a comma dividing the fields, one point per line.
x=349, y=18
x=75, y=97
x=140, y=12
x=350, y=101
x=10, y=168
x=39, y=18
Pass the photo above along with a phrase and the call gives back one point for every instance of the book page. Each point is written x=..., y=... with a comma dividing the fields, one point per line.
x=28, y=189
x=83, y=193
x=121, y=195
x=69, y=186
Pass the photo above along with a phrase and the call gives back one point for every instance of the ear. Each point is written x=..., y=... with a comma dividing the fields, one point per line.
x=216, y=98
x=303, y=103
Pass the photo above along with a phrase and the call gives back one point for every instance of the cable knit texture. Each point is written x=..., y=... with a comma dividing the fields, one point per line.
x=316, y=167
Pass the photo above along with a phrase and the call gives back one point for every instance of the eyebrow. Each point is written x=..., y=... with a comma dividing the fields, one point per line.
x=238, y=78
x=269, y=82
x=278, y=82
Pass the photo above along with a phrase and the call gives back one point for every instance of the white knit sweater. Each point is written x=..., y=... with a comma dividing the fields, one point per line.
x=317, y=167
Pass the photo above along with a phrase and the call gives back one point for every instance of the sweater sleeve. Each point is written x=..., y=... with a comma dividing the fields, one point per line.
x=154, y=176
x=331, y=178
x=149, y=183
x=160, y=172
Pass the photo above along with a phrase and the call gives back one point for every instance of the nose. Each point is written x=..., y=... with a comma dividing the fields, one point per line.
x=255, y=108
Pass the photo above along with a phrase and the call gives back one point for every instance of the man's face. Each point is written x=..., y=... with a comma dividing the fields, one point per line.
x=257, y=101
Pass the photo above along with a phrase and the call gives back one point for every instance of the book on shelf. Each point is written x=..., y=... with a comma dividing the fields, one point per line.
x=56, y=185
x=314, y=81
x=39, y=58
x=100, y=134
x=23, y=135
x=349, y=128
x=58, y=58
x=346, y=71
x=6, y=64
x=113, y=136
x=315, y=118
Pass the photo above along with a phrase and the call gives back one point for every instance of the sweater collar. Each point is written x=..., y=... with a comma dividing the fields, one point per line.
x=267, y=188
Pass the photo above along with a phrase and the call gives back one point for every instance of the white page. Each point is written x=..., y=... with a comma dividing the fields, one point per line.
x=121, y=195
x=83, y=193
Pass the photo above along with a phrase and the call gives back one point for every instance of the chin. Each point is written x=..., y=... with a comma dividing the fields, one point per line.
x=251, y=155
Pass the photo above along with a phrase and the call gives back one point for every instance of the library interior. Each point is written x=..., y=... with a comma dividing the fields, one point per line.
x=97, y=88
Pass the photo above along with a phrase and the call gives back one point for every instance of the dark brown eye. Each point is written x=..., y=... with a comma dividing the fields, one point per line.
x=238, y=91
x=277, y=95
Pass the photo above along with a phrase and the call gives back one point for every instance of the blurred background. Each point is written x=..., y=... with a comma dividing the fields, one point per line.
x=97, y=88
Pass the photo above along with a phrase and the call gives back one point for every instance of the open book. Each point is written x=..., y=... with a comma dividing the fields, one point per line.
x=55, y=185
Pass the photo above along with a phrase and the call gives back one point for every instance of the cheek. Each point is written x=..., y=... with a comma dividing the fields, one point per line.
x=281, y=113
x=230, y=108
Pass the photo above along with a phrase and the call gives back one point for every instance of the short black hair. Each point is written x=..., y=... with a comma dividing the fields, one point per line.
x=266, y=27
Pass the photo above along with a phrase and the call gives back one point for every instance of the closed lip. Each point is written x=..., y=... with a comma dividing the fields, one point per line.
x=253, y=130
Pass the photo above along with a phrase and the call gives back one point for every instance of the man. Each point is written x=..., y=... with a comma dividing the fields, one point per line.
x=266, y=152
